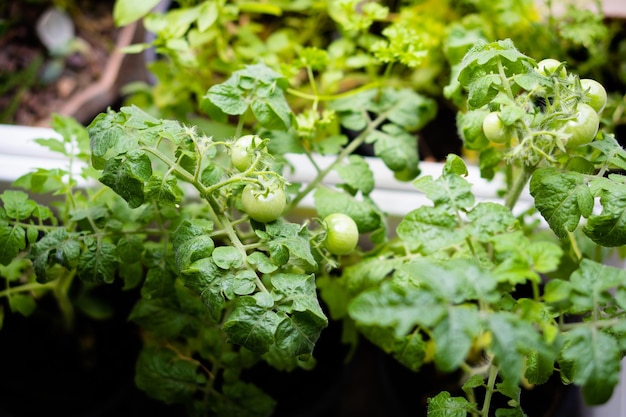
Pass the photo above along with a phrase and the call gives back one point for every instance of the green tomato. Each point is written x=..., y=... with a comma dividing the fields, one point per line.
x=582, y=128
x=342, y=234
x=494, y=129
x=549, y=66
x=263, y=205
x=596, y=93
x=242, y=151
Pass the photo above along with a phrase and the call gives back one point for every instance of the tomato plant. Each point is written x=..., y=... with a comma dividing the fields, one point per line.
x=342, y=234
x=212, y=222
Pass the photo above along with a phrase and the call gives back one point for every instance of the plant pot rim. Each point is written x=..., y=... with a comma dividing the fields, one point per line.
x=20, y=154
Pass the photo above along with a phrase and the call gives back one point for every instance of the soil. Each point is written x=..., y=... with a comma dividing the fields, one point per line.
x=34, y=83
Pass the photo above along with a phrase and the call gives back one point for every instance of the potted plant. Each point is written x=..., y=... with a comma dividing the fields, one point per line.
x=239, y=263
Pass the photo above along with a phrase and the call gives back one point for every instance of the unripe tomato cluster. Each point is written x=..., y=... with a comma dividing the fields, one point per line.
x=263, y=200
x=579, y=129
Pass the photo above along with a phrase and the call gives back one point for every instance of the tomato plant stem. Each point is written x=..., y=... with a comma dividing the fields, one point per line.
x=491, y=382
x=348, y=150
x=518, y=186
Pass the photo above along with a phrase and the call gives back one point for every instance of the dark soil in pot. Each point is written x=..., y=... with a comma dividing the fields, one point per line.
x=373, y=384
x=86, y=372
x=406, y=393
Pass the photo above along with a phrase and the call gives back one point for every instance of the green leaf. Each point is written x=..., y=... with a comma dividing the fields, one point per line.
x=164, y=191
x=42, y=180
x=126, y=12
x=593, y=358
x=56, y=247
x=244, y=282
x=512, y=340
x=608, y=228
x=161, y=317
x=539, y=368
x=404, y=108
x=74, y=136
x=357, y=174
x=474, y=381
x=208, y=14
x=433, y=228
x=289, y=239
x=262, y=262
x=450, y=191
x=255, y=87
x=272, y=110
x=396, y=147
x=126, y=176
x=367, y=216
x=98, y=263
x=410, y=351
x=164, y=375
x=369, y=272
x=444, y=405
x=298, y=332
x=23, y=304
x=489, y=159
x=17, y=205
x=130, y=248
x=190, y=229
x=479, y=70
x=192, y=241
x=192, y=249
x=591, y=283
x=561, y=198
x=408, y=109
x=510, y=412
x=12, y=241
x=582, y=27
x=398, y=307
x=251, y=325
x=227, y=257
x=488, y=219
x=228, y=97
x=544, y=256
x=242, y=399
x=454, y=335
x=470, y=129
x=106, y=133
x=519, y=258
x=297, y=292
x=453, y=280
x=205, y=278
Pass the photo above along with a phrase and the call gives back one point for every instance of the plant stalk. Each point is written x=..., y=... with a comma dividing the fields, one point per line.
x=491, y=383
x=517, y=187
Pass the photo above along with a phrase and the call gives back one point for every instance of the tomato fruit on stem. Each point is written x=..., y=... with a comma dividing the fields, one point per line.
x=263, y=204
x=596, y=93
x=550, y=66
x=494, y=129
x=583, y=127
x=342, y=234
x=242, y=151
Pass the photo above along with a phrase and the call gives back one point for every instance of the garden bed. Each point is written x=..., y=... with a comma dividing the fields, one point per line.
x=80, y=79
